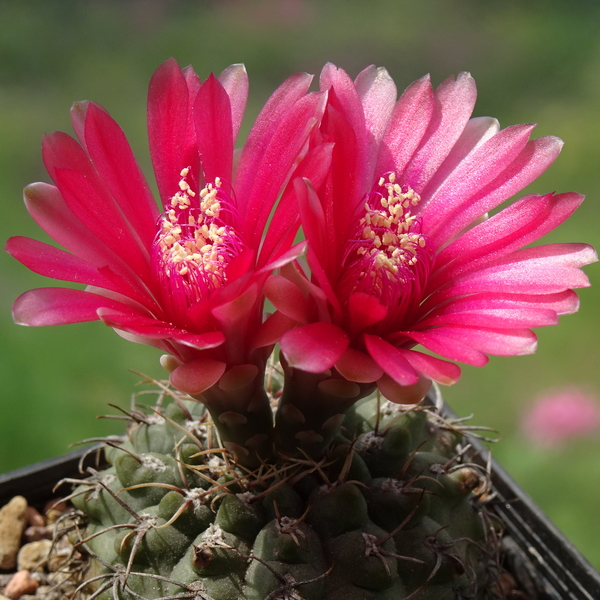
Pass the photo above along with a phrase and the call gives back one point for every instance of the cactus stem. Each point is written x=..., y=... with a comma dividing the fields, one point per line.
x=407, y=519
x=367, y=507
x=287, y=590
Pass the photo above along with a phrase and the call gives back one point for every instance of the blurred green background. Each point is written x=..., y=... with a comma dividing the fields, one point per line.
x=536, y=61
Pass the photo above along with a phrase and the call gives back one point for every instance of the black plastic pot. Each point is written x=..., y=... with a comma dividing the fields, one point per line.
x=544, y=563
x=36, y=482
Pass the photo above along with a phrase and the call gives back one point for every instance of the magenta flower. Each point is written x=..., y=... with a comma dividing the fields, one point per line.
x=559, y=416
x=400, y=247
x=187, y=277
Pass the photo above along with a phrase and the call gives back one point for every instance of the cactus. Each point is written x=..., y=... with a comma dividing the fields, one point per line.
x=339, y=497
x=391, y=509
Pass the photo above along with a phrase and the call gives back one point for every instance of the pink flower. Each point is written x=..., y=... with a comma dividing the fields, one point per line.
x=400, y=247
x=187, y=277
x=559, y=416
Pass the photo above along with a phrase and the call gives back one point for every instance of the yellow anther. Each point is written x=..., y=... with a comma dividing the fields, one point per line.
x=393, y=246
x=191, y=242
x=389, y=238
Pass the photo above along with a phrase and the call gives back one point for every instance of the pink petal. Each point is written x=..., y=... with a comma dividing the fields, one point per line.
x=214, y=130
x=341, y=196
x=240, y=265
x=235, y=81
x=346, y=98
x=263, y=130
x=168, y=124
x=78, y=112
x=403, y=394
x=87, y=197
x=99, y=213
x=49, y=210
x=540, y=270
x=312, y=217
x=286, y=220
x=486, y=165
x=286, y=258
x=407, y=126
x=78, y=115
x=196, y=376
x=60, y=306
x=477, y=131
x=562, y=303
x=448, y=347
x=391, y=360
x=270, y=332
x=377, y=92
x=287, y=298
x=433, y=368
x=314, y=348
x=501, y=310
x=275, y=166
x=358, y=366
x=201, y=341
x=475, y=171
x=52, y=262
x=325, y=289
x=532, y=161
x=112, y=156
x=322, y=294
x=154, y=329
x=512, y=228
x=501, y=342
x=363, y=311
x=455, y=101
x=493, y=317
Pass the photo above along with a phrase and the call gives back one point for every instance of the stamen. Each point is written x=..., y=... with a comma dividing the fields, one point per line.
x=193, y=244
x=389, y=243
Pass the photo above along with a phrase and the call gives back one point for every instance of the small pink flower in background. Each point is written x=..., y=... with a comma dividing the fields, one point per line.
x=560, y=416
x=400, y=249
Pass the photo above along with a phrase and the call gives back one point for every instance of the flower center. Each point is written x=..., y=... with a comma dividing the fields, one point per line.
x=388, y=231
x=194, y=245
x=389, y=245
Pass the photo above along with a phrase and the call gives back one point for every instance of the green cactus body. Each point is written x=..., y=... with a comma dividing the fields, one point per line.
x=391, y=510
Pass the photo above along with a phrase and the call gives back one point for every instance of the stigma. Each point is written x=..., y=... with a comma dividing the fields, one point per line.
x=194, y=244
